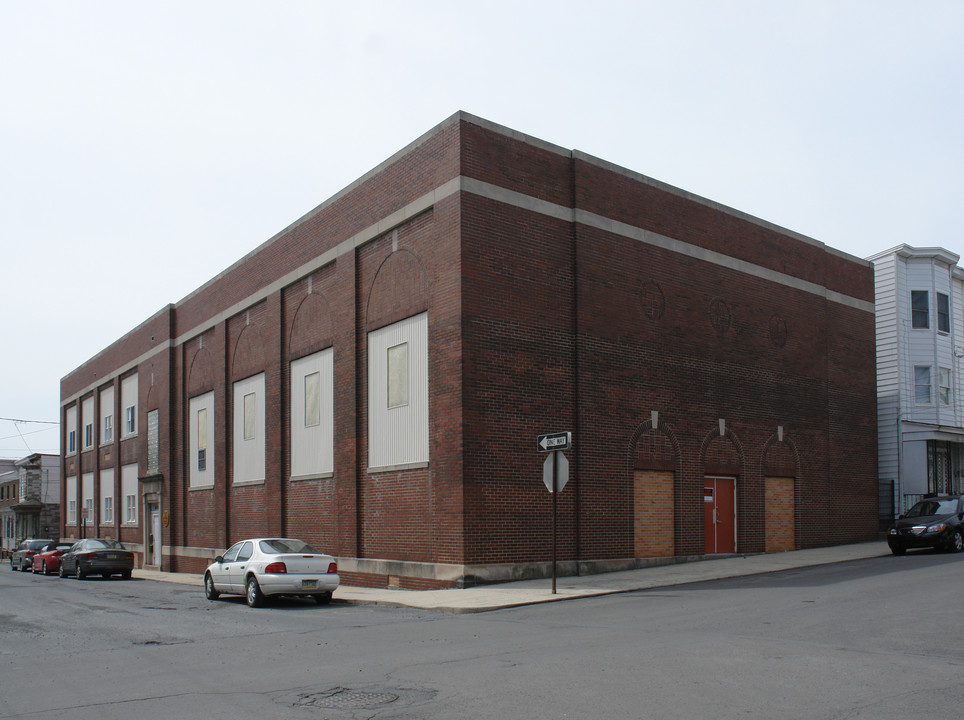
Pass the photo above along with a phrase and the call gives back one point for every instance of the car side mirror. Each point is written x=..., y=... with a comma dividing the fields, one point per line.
x=900, y=517
x=219, y=559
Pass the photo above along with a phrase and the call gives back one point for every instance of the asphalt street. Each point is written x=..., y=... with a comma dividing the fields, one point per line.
x=871, y=638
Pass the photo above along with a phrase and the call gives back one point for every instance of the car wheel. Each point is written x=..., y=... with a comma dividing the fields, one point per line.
x=209, y=590
x=957, y=543
x=897, y=549
x=44, y=568
x=61, y=572
x=323, y=599
x=126, y=575
x=253, y=593
x=79, y=574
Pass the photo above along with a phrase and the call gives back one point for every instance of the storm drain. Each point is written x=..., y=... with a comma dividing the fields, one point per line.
x=345, y=699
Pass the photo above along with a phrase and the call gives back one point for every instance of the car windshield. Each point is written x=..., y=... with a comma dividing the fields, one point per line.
x=285, y=546
x=37, y=544
x=933, y=507
x=113, y=544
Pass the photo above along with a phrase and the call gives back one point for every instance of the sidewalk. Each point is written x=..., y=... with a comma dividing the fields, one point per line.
x=529, y=592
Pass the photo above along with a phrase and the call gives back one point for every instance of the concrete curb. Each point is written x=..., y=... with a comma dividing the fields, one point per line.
x=529, y=592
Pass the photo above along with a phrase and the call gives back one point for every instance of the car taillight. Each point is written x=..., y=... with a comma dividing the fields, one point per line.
x=92, y=556
x=276, y=567
x=332, y=567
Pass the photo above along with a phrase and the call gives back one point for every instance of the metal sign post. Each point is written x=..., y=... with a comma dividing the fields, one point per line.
x=555, y=475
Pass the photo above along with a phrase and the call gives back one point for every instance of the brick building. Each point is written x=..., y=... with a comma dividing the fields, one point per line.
x=373, y=379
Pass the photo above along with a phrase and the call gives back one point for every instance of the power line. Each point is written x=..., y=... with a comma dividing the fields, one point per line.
x=38, y=422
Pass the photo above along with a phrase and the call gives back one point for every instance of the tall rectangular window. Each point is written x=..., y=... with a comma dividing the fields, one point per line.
x=943, y=313
x=129, y=493
x=153, y=442
x=312, y=399
x=920, y=309
x=129, y=405
x=398, y=391
x=71, y=496
x=108, y=510
x=70, y=424
x=249, y=430
x=398, y=375
x=312, y=415
x=107, y=496
x=107, y=415
x=72, y=441
x=922, y=384
x=944, y=386
x=87, y=419
x=88, y=435
x=201, y=440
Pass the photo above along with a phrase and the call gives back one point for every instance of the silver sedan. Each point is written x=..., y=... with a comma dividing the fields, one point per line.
x=260, y=567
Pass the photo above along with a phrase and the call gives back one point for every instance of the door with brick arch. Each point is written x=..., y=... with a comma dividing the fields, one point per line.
x=780, y=527
x=653, y=523
x=719, y=514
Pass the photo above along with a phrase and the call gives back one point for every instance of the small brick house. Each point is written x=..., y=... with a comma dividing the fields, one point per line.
x=374, y=377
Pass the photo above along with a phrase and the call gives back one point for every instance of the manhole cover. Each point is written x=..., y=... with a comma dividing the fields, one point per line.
x=344, y=698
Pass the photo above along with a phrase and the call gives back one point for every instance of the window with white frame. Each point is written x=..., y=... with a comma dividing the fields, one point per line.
x=312, y=414
x=72, y=500
x=920, y=309
x=922, y=384
x=398, y=393
x=248, y=429
x=201, y=409
x=87, y=412
x=87, y=497
x=107, y=496
x=70, y=422
x=129, y=405
x=944, y=385
x=943, y=313
x=129, y=492
x=107, y=416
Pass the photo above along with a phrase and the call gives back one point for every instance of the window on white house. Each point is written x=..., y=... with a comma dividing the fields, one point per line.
x=922, y=384
x=943, y=313
x=920, y=309
x=944, y=385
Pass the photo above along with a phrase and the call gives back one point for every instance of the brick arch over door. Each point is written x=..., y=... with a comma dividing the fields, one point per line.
x=399, y=290
x=724, y=491
x=781, y=472
x=311, y=327
x=655, y=459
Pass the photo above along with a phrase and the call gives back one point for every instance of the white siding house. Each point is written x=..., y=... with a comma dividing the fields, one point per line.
x=920, y=343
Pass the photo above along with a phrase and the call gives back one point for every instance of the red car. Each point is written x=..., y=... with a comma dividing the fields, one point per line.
x=48, y=559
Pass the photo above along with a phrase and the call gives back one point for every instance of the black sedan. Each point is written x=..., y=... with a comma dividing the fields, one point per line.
x=96, y=556
x=934, y=522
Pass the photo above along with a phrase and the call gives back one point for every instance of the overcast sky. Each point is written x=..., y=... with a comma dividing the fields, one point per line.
x=148, y=146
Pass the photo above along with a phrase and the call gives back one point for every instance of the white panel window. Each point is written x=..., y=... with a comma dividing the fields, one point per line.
x=106, y=416
x=107, y=496
x=129, y=405
x=249, y=429
x=129, y=493
x=71, y=425
x=312, y=414
x=202, y=434
x=398, y=393
x=944, y=385
x=87, y=498
x=72, y=500
x=922, y=384
x=87, y=415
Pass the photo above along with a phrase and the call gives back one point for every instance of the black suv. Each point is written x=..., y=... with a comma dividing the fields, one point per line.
x=937, y=521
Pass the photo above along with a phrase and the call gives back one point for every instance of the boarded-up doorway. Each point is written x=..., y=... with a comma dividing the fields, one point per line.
x=780, y=529
x=653, y=513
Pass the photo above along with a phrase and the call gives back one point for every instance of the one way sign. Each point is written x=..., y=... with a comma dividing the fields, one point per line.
x=555, y=441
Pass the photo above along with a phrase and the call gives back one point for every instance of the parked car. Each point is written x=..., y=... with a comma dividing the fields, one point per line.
x=261, y=567
x=22, y=556
x=96, y=556
x=48, y=559
x=935, y=522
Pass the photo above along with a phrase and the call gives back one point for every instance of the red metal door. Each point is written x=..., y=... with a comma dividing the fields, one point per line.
x=719, y=514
